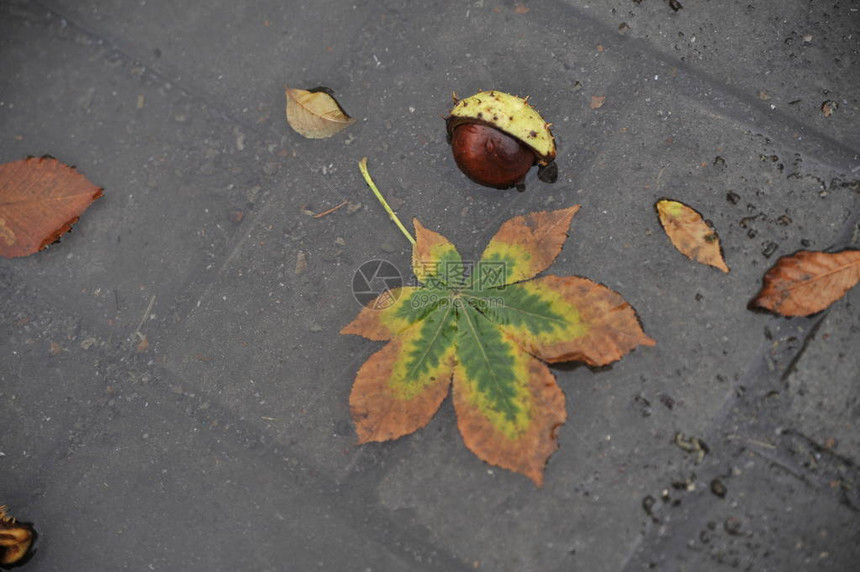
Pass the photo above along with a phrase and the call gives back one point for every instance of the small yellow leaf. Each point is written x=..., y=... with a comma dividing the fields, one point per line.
x=314, y=113
x=690, y=233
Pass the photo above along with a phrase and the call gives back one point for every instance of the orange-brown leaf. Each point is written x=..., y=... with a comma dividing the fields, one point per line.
x=808, y=282
x=690, y=234
x=40, y=200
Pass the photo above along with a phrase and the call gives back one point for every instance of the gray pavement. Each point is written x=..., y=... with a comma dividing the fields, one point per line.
x=227, y=444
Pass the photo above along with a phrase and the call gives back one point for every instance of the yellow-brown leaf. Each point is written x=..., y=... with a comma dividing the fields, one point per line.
x=690, y=234
x=808, y=282
x=315, y=114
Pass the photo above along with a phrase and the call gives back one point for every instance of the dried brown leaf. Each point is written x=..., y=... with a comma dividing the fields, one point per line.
x=807, y=282
x=40, y=200
x=597, y=101
x=16, y=540
x=315, y=114
x=301, y=263
x=143, y=345
x=690, y=234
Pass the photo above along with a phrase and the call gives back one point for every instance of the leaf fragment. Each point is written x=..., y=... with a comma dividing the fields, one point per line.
x=16, y=540
x=509, y=406
x=690, y=234
x=597, y=101
x=388, y=315
x=315, y=114
x=526, y=245
x=567, y=318
x=40, y=200
x=807, y=282
x=435, y=261
x=399, y=388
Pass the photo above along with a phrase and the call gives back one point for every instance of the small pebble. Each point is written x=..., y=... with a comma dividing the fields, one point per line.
x=236, y=216
x=732, y=526
x=769, y=249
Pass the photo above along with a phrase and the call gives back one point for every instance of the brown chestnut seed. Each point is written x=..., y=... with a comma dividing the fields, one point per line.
x=494, y=160
x=490, y=157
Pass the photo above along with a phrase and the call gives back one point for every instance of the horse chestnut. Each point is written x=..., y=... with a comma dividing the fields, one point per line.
x=497, y=137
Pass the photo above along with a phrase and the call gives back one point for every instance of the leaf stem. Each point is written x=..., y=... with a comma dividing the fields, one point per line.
x=363, y=166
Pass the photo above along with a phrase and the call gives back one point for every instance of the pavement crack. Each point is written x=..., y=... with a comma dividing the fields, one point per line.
x=790, y=368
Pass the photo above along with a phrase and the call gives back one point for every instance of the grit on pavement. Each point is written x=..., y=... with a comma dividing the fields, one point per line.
x=225, y=441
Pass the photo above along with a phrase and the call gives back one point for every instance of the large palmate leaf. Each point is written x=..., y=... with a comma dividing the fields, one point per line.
x=486, y=327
